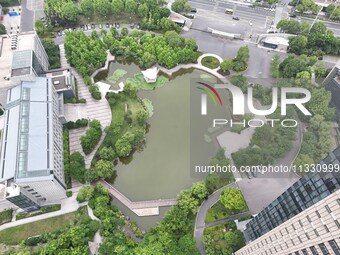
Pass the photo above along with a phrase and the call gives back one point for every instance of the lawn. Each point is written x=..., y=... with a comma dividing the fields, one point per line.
x=139, y=82
x=15, y=234
x=217, y=212
x=210, y=62
x=116, y=76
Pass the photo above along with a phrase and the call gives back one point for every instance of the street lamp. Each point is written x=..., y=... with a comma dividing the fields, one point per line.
x=316, y=17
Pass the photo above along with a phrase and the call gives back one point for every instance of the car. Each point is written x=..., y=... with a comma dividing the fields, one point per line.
x=249, y=175
x=292, y=15
x=117, y=25
x=59, y=33
x=250, y=23
x=107, y=25
x=138, y=26
x=85, y=28
x=89, y=26
x=194, y=10
x=81, y=27
x=100, y=26
x=235, y=18
x=132, y=25
x=93, y=26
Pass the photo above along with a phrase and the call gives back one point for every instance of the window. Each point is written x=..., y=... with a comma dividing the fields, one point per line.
x=324, y=249
x=318, y=214
x=335, y=247
x=308, y=218
x=314, y=250
x=316, y=232
x=304, y=252
x=337, y=223
x=328, y=209
x=327, y=230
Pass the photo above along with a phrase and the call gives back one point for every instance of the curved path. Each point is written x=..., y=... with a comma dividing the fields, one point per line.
x=202, y=213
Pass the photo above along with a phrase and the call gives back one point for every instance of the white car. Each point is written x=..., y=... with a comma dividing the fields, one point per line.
x=250, y=23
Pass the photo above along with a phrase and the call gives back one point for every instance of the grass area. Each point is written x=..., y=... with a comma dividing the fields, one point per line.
x=217, y=212
x=48, y=209
x=116, y=76
x=139, y=82
x=6, y=216
x=16, y=234
x=148, y=105
x=210, y=62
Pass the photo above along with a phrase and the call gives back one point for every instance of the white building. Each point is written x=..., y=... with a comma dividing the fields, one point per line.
x=150, y=75
x=31, y=167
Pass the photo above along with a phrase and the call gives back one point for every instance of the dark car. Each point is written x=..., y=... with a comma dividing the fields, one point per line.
x=236, y=18
x=59, y=33
x=132, y=25
x=107, y=25
x=194, y=10
x=93, y=26
x=292, y=15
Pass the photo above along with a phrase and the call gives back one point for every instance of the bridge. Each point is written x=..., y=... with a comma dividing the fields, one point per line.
x=141, y=208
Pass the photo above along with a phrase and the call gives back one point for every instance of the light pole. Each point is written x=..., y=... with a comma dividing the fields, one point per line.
x=315, y=19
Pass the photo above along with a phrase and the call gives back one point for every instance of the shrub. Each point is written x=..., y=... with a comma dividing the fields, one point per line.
x=92, y=137
x=6, y=216
x=77, y=124
x=69, y=193
x=95, y=93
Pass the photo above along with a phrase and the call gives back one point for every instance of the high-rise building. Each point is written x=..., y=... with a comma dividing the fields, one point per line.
x=29, y=59
x=31, y=167
x=332, y=83
x=305, y=219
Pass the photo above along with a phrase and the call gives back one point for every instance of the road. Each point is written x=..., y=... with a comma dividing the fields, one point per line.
x=211, y=11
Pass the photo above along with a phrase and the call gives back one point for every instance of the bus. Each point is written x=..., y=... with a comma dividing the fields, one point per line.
x=229, y=11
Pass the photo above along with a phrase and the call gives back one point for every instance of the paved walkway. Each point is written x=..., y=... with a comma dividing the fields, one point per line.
x=95, y=109
x=141, y=208
x=202, y=213
x=67, y=205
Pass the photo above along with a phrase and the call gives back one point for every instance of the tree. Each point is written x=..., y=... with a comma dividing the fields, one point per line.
x=69, y=11
x=141, y=116
x=39, y=28
x=124, y=144
x=148, y=60
x=199, y=190
x=243, y=54
x=180, y=6
x=143, y=10
x=3, y=29
x=226, y=65
x=232, y=199
x=130, y=6
x=117, y=6
x=319, y=104
x=291, y=66
x=298, y=44
x=107, y=153
x=304, y=75
x=87, y=8
x=53, y=53
x=85, y=193
x=301, y=161
x=104, y=168
x=306, y=6
x=240, y=81
x=103, y=7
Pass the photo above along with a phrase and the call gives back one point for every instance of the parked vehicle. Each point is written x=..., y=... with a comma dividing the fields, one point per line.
x=138, y=26
x=100, y=26
x=93, y=26
x=235, y=18
x=107, y=25
x=194, y=10
x=132, y=25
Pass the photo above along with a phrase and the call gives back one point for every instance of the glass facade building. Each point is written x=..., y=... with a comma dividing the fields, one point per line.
x=307, y=191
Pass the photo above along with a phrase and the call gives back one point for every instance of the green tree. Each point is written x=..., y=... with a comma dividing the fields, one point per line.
x=232, y=199
x=143, y=10
x=130, y=6
x=117, y=6
x=87, y=8
x=298, y=44
x=53, y=52
x=319, y=104
x=180, y=6
x=307, y=5
x=291, y=66
x=70, y=11
x=304, y=75
x=199, y=190
x=243, y=54
x=104, y=168
x=107, y=153
x=39, y=28
x=141, y=116
x=85, y=193
x=147, y=60
x=191, y=44
x=226, y=65
x=240, y=81
x=103, y=7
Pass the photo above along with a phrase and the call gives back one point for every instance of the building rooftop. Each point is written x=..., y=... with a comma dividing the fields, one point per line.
x=276, y=40
x=61, y=78
x=27, y=130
